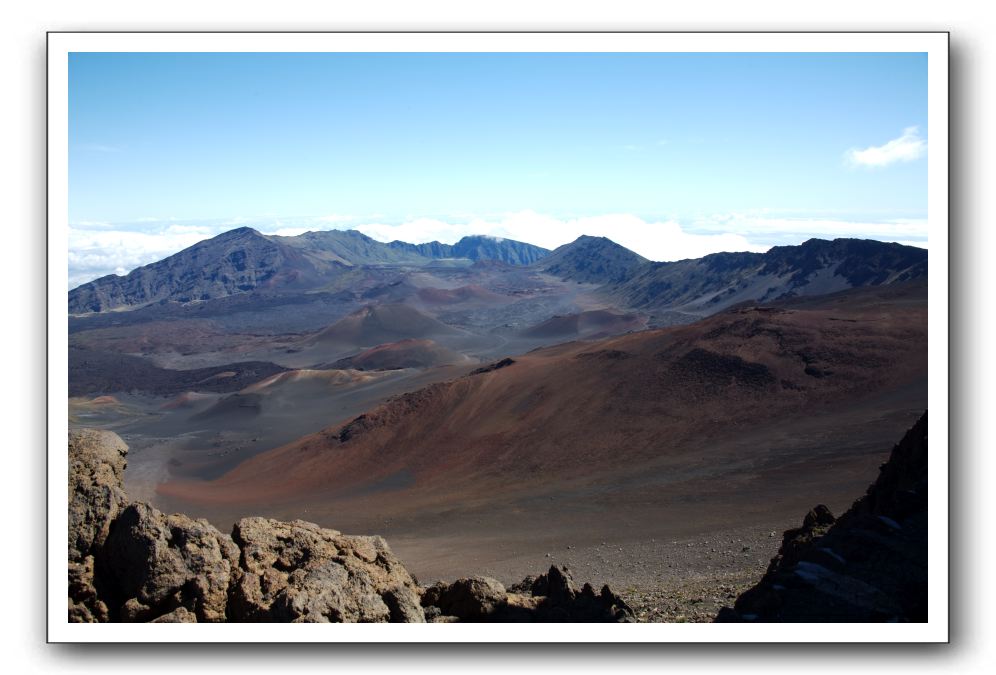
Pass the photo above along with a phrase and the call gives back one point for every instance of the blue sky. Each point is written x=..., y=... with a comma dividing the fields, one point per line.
x=770, y=148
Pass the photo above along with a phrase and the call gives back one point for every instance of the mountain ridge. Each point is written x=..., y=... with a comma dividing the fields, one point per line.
x=244, y=260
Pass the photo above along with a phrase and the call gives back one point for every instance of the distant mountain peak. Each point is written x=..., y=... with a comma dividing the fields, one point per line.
x=238, y=232
x=588, y=238
x=590, y=259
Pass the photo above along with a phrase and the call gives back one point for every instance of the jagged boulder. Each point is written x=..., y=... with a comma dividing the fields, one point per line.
x=301, y=572
x=868, y=565
x=161, y=564
x=96, y=467
x=563, y=601
x=550, y=597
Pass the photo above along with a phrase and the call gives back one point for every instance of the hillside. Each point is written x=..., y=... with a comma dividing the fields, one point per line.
x=235, y=262
x=643, y=398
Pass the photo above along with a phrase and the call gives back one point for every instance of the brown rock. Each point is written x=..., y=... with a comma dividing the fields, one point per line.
x=550, y=597
x=301, y=572
x=178, y=615
x=96, y=466
x=84, y=604
x=472, y=599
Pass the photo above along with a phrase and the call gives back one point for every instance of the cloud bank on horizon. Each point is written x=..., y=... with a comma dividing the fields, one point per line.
x=97, y=249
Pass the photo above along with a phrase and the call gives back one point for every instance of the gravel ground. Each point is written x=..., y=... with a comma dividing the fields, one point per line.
x=683, y=580
x=694, y=600
x=678, y=580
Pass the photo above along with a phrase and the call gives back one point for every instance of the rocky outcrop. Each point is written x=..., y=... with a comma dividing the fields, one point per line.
x=301, y=572
x=868, y=565
x=163, y=563
x=130, y=562
x=551, y=597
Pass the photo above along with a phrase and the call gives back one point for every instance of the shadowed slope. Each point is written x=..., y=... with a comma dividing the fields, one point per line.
x=92, y=372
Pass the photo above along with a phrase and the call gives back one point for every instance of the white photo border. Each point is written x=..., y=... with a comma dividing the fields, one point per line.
x=934, y=44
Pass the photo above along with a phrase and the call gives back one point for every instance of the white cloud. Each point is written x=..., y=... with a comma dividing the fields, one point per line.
x=95, y=252
x=288, y=231
x=655, y=240
x=92, y=225
x=906, y=148
x=419, y=230
x=661, y=240
x=205, y=230
x=763, y=226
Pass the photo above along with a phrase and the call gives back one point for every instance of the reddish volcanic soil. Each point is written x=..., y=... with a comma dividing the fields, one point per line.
x=735, y=424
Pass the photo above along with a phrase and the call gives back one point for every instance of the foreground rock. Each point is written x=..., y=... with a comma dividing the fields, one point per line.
x=161, y=564
x=868, y=565
x=301, y=572
x=553, y=596
x=96, y=468
x=130, y=562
